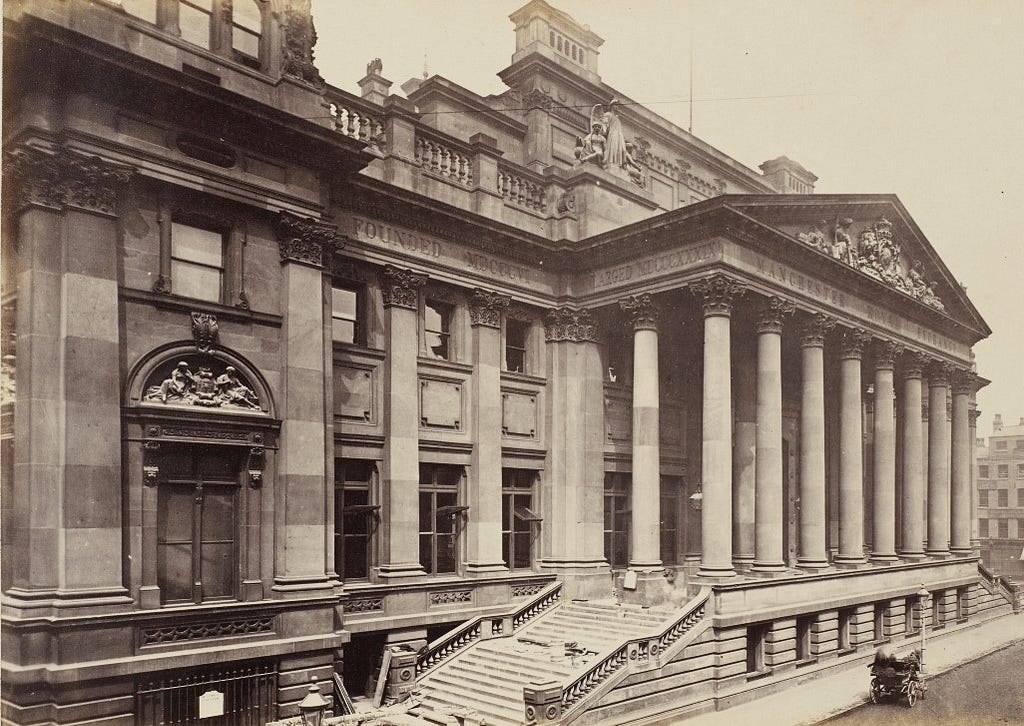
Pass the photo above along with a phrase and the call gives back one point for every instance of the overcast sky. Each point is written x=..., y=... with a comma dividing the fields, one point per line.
x=922, y=99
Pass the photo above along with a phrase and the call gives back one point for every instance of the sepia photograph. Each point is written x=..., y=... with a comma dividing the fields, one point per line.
x=512, y=363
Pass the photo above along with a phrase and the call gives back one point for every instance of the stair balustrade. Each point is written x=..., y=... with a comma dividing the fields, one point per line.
x=483, y=626
x=1001, y=585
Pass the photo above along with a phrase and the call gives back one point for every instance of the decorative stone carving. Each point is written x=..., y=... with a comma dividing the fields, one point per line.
x=913, y=364
x=566, y=203
x=150, y=474
x=815, y=329
x=306, y=240
x=65, y=178
x=254, y=466
x=200, y=631
x=876, y=253
x=364, y=605
x=185, y=388
x=964, y=381
x=886, y=353
x=973, y=417
x=451, y=597
x=374, y=67
x=772, y=313
x=298, y=39
x=536, y=98
x=939, y=373
x=606, y=145
x=485, y=308
x=204, y=330
x=642, y=311
x=567, y=324
x=401, y=288
x=717, y=293
x=853, y=342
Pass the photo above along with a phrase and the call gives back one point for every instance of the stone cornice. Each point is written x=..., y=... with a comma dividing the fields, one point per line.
x=568, y=324
x=770, y=316
x=401, y=288
x=717, y=293
x=305, y=240
x=64, y=178
x=485, y=308
x=642, y=311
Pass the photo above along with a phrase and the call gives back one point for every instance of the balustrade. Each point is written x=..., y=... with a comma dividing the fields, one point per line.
x=444, y=161
x=517, y=189
x=358, y=124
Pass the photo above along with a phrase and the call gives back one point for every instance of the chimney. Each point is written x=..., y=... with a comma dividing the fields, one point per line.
x=997, y=423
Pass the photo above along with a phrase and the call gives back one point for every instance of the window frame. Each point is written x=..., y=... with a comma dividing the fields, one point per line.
x=513, y=523
x=757, y=636
x=1002, y=528
x=983, y=471
x=618, y=492
x=211, y=15
x=983, y=528
x=430, y=301
x=983, y=498
x=506, y=344
x=194, y=224
x=255, y=62
x=1002, y=497
x=367, y=511
x=1002, y=471
x=844, y=618
x=359, y=337
x=430, y=486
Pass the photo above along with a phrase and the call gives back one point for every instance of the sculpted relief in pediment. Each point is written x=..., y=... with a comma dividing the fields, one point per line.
x=874, y=251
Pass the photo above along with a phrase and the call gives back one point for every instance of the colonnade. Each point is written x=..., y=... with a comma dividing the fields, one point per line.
x=944, y=531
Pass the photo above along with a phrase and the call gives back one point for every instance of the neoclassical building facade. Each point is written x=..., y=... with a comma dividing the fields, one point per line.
x=302, y=386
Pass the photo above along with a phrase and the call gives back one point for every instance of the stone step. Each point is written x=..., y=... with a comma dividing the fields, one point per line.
x=610, y=627
x=479, y=702
x=630, y=618
x=501, y=692
x=516, y=661
x=515, y=670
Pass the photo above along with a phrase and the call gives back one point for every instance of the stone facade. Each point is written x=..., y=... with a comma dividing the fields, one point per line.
x=294, y=385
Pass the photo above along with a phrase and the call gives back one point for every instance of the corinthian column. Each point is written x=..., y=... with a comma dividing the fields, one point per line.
x=768, y=474
x=938, y=461
x=717, y=293
x=812, y=444
x=851, y=450
x=883, y=540
x=646, y=554
x=913, y=459
x=960, y=474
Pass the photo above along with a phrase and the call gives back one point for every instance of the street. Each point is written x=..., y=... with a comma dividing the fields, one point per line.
x=982, y=693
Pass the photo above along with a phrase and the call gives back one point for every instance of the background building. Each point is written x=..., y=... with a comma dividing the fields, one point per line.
x=302, y=375
x=1000, y=476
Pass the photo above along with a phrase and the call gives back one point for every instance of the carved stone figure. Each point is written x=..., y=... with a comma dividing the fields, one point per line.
x=815, y=236
x=173, y=388
x=615, y=153
x=374, y=67
x=606, y=145
x=842, y=246
x=635, y=171
x=592, y=146
x=183, y=387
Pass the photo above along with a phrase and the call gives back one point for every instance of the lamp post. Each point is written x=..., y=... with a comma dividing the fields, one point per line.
x=923, y=594
x=313, y=706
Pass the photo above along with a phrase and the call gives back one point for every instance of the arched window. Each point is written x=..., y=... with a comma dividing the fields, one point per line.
x=246, y=29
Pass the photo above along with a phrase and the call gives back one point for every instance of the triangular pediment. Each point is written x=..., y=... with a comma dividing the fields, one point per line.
x=871, y=234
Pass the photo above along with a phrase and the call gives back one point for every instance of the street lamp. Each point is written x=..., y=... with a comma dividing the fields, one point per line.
x=923, y=594
x=313, y=706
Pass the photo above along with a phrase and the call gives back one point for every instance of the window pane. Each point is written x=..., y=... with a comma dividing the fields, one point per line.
x=522, y=549
x=515, y=333
x=202, y=283
x=448, y=476
x=218, y=515
x=218, y=570
x=245, y=42
x=343, y=303
x=145, y=9
x=437, y=344
x=343, y=331
x=446, y=553
x=196, y=245
x=355, y=557
x=174, y=572
x=247, y=14
x=504, y=550
x=195, y=26
x=426, y=553
x=515, y=360
x=357, y=470
x=174, y=516
x=218, y=465
x=426, y=512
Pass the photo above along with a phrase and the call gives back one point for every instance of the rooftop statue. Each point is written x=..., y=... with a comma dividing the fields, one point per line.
x=606, y=145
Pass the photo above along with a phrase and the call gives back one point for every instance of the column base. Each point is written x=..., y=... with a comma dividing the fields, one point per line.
x=742, y=563
x=850, y=563
x=652, y=588
x=938, y=554
x=581, y=580
x=812, y=564
x=715, y=572
x=961, y=551
x=767, y=567
x=912, y=556
x=884, y=558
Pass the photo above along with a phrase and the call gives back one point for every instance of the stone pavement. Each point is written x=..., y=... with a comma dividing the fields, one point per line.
x=834, y=693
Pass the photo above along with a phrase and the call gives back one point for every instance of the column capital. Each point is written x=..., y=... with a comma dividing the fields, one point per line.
x=717, y=293
x=306, y=240
x=886, y=353
x=913, y=363
x=973, y=416
x=939, y=373
x=401, y=288
x=964, y=381
x=853, y=342
x=815, y=328
x=485, y=308
x=568, y=324
x=772, y=311
x=642, y=311
x=64, y=178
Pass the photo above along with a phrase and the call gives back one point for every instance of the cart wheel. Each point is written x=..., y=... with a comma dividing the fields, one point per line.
x=876, y=691
x=911, y=694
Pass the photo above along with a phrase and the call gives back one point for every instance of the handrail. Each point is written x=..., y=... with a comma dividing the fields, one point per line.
x=634, y=653
x=1001, y=585
x=467, y=633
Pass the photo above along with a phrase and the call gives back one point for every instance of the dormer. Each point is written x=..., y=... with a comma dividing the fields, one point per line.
x=554, y=34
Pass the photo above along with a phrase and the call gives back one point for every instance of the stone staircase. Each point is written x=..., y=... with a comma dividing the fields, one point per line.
x=489, y=677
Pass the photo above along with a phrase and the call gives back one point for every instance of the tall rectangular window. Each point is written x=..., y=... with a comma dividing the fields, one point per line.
x=911, y=611
x=1020, y=471
x=346, y=304
x=518, y=518
x=1020, y=497
x=803, y=637
x=194, y=20
x=756, y=636
x=440, y=518
x=246, y=27
x=1003, y=497
x=672, y=503
x=515, y=345
x=144, y=9
x=938, y=614
x=1003, y=528
x=197, y=262
x=437, y=327
x=355, y=518
x=617, y=517
x=879, y=621
x=983, y=471
x=983, y=527
x=845, y=616
x=197, y=528
x=983, y=497
x=1003, y=471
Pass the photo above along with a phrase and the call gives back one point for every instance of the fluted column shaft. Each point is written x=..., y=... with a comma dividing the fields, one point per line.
x=768, y=474
x=646, y=505
x=883, y=539
x=960, y=474
x=851, y=451
x=812, y=444
x=717, y=293
x=938, y=463
x=913, y=461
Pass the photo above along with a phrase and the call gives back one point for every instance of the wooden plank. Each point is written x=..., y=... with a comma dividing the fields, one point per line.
x=382, y=678
x=341, y=696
